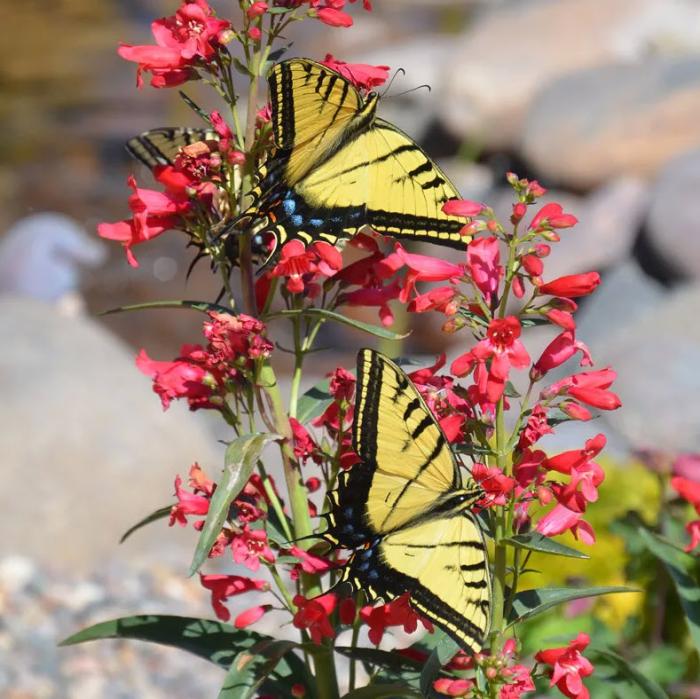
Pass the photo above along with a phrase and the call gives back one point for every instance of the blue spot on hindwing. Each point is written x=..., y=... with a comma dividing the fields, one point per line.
x=316, y=222
x=289, y=206
x=297, y=220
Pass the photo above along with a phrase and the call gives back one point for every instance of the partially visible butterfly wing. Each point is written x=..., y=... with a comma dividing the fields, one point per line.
x=311, y=108
x=407, y=190
x=400, y=444
x=442, y=563
x=161, y=146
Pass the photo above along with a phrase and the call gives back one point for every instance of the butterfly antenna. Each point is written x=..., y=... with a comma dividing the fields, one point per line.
x=413, y=89
x=391, y=82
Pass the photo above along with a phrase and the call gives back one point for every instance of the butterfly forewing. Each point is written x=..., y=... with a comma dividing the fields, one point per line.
x=161, y=146
x=395, y=432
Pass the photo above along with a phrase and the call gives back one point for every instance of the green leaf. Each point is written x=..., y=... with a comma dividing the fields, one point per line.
x=251, y=667
x=160, y=513
x=529, y=603
x=240, y=459
x=534, y=541
x=387, y=659
x=650, y=688
x=202, y=306
x=389, y=691
x=339, y=318
x=312, y=403
x=684, y=570
x=214, y=641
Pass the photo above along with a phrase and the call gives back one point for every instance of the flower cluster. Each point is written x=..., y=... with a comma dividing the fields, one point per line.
x=204, y=376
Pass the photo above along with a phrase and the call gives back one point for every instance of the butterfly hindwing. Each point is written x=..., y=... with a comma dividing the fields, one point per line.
x=161, y=146
x=395, y=433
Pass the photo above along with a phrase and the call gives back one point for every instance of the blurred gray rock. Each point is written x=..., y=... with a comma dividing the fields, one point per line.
x=510, y=53
x=674, y=215
x=87, y=448
x=609, y=221
x=612, y=120
x=41, y=256
x=657, y=359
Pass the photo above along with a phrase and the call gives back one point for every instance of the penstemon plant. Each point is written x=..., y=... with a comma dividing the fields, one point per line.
x=496, y=294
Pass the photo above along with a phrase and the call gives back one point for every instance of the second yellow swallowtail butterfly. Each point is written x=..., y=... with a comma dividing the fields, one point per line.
x=405, y=511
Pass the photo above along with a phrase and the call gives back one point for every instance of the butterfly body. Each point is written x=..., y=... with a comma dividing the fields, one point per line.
x=405, y=513
x=337, y=167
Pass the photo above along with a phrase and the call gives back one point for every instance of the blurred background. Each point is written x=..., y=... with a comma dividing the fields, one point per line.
x=597, y=99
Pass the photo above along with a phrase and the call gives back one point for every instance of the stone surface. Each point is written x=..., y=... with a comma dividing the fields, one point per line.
x=673, y=224
x=87, y=449
x=512, y=51
x=657, y=358
x=611, y=120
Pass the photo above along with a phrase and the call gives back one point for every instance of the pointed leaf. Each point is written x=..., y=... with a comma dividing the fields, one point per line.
x=240, y=459
x=388, y=691
x=212, y=640
x=534, y=541
x=160, y=513
x=312, y=403
x=529, y=603
x=251, y=667
x=684, y=570
x=650, y=688
x=202, y=306
x=324, y=314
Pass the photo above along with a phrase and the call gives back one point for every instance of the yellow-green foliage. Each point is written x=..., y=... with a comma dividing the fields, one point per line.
x=629, y=486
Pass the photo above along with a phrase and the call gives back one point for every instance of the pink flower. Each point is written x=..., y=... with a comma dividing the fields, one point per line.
x=569, y=461
x=443, y=298
x=314, y=615
x=483, y=256
x=374, y=296
x=569, y=667
x=302, y=264
x=453, y=688
x=561, y=519
x=224, y=586
x=494, y=482
x=688, y=466
x=559, y=350
x=571, y=286
x=519, y=681
x=188, y=503
x=503, y=348
x=314, y=565
x=552, y=216
x=250, y=547
x=256, y=9
x=304, y=446
x=236, y=339
x=361, y=75
x=536, y=427
x=528, y=468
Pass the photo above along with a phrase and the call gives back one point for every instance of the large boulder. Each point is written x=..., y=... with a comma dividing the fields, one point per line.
x=87, y=449
x=612, y=120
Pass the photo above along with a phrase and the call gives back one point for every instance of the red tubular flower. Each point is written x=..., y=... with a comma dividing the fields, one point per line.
x=443, y=298
x=314, y=615
x=256, y=9
x=309, y=563
x=503, y=348
x=398, y=612
x=453, y=688
x=333, y=17
x=250, y=616
x=559, y=350
x=347, y=611
x=374, y=296
x=528, y=468
x=295, y=262
x=552, y=216
x=494, y=482
x=562, y=519
x=519, y=682
x=189, y=36
x=693, y=528
x=187, y=377
x=236, y=339
x=462, y=207
x=572, y=285
x=688, y=490
x=361, y=75
x=188, y=503
x=569, y=667
x=536, y=427
x=224, y=586
x=483, y=257
x=569, y=461
x=420, y=268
